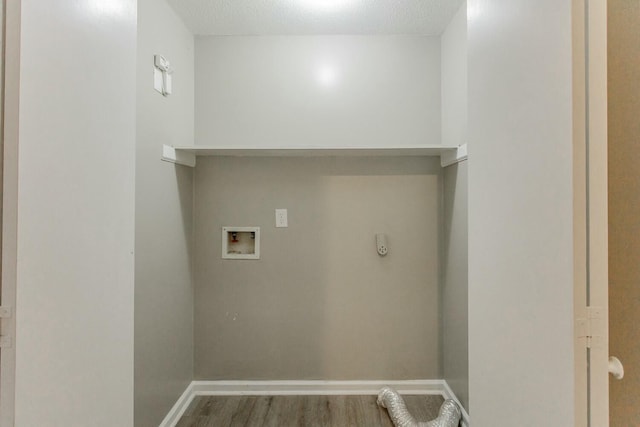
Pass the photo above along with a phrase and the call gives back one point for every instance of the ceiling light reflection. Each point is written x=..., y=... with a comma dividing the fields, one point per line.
x=473, y=11
x=327, y=75
x=109, y=8
x=325, y=5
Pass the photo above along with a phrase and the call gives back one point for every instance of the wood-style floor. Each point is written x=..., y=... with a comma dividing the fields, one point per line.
x=294, y=411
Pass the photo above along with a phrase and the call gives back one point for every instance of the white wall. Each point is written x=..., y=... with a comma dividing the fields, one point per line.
x=454, y=79
x=163, y=288
x=317, y=91
x=75, y=262
x=520, y=213
x=455, y=319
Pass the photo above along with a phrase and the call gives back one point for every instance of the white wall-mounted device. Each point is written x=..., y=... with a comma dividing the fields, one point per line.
x=381, y=244
x=241, y=242
x=162, y=75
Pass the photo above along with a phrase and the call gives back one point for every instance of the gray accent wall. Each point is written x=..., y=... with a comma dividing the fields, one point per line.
x=320, y=303
x=455, y=289
x=164, y=200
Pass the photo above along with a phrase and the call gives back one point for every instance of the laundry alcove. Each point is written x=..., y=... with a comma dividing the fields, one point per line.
x=355, y=134
x=117, y=306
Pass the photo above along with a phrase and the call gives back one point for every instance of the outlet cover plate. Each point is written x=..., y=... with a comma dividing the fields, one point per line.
x=281, y=218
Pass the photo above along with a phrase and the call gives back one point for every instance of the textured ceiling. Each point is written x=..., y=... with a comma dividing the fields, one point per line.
x=291, y=17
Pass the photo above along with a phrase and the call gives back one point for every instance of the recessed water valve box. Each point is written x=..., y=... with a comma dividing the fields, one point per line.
x=241, y=242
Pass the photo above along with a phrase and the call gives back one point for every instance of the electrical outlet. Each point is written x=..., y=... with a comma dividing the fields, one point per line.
x=281, y=218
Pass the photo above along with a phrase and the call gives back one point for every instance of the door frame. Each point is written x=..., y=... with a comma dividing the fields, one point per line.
x=590, y=212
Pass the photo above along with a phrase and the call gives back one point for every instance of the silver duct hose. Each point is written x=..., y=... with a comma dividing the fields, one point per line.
x=449, y=415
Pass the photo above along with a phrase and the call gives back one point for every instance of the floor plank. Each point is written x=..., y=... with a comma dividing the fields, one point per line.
x=302, y=411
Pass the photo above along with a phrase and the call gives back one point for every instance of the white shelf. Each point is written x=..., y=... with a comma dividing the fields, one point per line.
x=186, y=155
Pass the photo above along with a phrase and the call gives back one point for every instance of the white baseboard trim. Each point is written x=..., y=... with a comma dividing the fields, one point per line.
x=301, y=388
x=179, y=408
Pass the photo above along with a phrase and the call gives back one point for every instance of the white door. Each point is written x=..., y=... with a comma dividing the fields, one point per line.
x=590, y=210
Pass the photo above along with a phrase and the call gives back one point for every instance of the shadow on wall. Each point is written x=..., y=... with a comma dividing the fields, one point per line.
x=455, y=286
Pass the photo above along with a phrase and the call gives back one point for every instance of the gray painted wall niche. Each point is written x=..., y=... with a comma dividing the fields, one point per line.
x=320, y=303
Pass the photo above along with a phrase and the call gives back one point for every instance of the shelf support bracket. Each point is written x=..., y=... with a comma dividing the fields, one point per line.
x=171, y=155
x=456, y=155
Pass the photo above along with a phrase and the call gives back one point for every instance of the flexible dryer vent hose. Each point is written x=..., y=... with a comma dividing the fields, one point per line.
x=449, y=415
